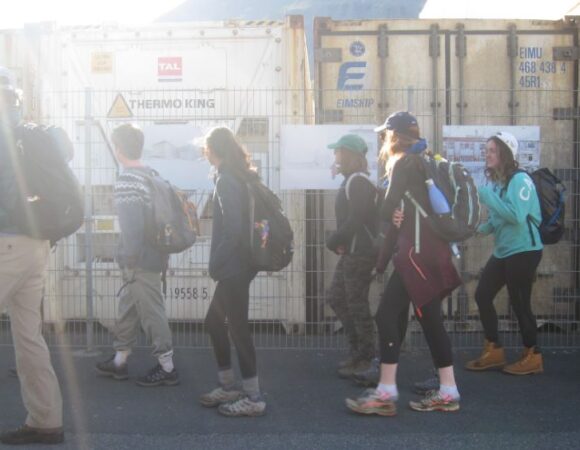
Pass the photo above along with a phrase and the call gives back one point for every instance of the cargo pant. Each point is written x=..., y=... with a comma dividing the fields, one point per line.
x=23, y=268
x=141, y=306
x=348, y=296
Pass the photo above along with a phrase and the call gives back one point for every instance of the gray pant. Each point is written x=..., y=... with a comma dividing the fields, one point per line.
x=23, y=267
x=141, y=305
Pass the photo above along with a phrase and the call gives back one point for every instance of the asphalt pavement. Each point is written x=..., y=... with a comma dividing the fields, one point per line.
x=305, y=406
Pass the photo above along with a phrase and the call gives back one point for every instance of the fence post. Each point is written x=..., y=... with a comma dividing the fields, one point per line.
x=89, y=219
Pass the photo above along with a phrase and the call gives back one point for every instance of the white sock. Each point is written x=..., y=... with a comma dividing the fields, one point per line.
x=390, y=389
x=166, y=361
x=121, y=357
x=450, y=391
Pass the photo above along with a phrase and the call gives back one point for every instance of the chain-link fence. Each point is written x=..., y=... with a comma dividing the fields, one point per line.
x=288, y=309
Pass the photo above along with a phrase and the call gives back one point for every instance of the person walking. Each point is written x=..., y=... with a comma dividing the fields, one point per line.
x=423, y=274
x=23, y=270
x=353, y=241
x=514, y=216
x=230, y=265
x=141, y=303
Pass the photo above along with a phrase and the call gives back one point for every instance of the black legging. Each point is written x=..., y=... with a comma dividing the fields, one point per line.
x=517, y=272
x=231, y=300
x=392, y=318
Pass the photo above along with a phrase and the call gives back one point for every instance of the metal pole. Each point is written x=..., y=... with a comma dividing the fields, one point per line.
x=434, y=52
x=88, y=219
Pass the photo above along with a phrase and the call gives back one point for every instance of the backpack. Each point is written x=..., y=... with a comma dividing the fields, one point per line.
x=456, y=184
x=271, y=236
x=173, y=225
x=50, y=203
x=550, y=190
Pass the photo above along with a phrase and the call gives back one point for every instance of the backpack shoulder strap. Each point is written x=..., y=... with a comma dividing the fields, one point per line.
x=354, y=175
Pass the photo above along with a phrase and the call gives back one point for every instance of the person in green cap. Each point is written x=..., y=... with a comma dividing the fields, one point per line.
x=353, y=240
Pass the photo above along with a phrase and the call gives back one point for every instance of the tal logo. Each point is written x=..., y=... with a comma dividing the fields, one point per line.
x=169, y=68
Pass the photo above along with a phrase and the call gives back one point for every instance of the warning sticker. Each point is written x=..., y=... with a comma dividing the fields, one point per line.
x=120, y=108
x=101, y=62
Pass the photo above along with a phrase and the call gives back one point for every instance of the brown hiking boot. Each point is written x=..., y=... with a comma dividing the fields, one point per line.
x=351, y=360
x=531, y=362
x=491, y=356
x=357, y=366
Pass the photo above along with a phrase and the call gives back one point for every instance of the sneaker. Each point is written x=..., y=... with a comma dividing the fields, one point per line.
x=531, y=362
x=492, y=356
x=109, y=369
x=430, y=384
x=28, y=435
x=358, y=366
x=434, y=401
x=243, y=406
x=157, y=377
x=218, y=396
x=373, y=402
x=369, y=377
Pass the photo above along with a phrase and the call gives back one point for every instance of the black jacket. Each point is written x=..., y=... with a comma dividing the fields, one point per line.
x=356, y=217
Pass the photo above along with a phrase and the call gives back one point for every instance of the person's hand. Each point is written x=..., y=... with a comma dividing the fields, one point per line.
x=340, y=250
x=398, y=218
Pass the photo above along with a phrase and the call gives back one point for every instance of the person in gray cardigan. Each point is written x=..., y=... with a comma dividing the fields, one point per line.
x=141, y=303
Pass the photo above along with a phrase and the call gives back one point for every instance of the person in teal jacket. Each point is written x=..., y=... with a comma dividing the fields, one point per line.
x=513, y=219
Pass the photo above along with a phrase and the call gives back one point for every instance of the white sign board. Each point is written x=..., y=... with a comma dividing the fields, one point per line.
x=306, y=160
x=466, y=144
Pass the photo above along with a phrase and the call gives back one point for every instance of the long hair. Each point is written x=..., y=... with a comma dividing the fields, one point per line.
x=224, y=145
x=507, y=164
x=393, y=142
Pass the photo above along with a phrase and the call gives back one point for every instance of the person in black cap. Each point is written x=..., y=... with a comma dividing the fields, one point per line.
x=423, y=275
x=353, y=240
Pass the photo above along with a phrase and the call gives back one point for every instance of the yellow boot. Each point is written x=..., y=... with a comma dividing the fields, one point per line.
x=491, y=356
x=530, y=362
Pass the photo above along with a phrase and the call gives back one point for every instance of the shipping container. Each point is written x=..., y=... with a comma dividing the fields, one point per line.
x=176, y=81
x=449, y=73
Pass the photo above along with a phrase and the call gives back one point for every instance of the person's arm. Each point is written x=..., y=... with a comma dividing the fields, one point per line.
x=396, y=190
x=230, y=200
x=485, y=228
x=515, y=206
x=361, y=197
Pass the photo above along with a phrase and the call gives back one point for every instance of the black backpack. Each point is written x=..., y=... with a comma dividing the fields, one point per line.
x=550, y=190
x=49, y=202
x=458, y=187
x=271, y=236
x=173, y=225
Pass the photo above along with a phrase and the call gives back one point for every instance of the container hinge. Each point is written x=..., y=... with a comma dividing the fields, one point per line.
x=434, y=42
x=383, y=44
x=566, y=53
x=328, y=55
x=566, y=113
x=332, y=115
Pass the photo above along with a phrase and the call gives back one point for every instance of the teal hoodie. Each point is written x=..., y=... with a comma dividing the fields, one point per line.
x=508, y=213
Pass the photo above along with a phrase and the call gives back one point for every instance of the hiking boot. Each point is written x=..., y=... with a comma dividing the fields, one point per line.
x=530, y=362
x=373, y=402
x=434, y=401
x=243, y=406
x=491, y=356
x=109, y=369
x=218, y=396
x=358, y=366
x=158, y=377
x=369, y=377
x=351, y=360
x=28, y=435
x=430, y=384
x=13, y=372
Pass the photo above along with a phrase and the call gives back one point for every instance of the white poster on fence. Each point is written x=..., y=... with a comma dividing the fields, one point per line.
x=306, y=160
x=466, y=144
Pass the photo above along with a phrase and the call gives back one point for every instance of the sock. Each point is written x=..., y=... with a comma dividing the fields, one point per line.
x=251, y=387
x=166, y=361
x=450, y=391
x=121, y=357
x=390, y=389
x=226, y=378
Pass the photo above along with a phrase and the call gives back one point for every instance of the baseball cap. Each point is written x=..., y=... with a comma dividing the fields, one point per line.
x=509, y=140
x=351, y=142
x=400, y=122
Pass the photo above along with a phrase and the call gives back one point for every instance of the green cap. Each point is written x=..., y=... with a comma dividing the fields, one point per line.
x=351, y=142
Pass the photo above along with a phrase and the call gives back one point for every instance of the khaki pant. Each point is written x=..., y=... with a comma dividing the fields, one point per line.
x=23, y=267
x=141, y=306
